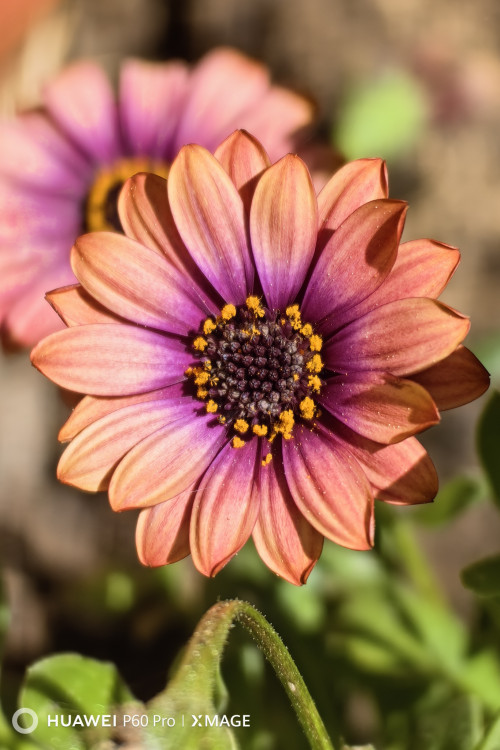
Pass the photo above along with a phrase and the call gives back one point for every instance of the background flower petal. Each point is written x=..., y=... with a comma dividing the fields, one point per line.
x=151, y=97
x=100, y=360
x=379, y=406
x=82, y=102
x=243, y=158
x=329, y=488
x=283, y=229
x=225, y=508
x=208, y=212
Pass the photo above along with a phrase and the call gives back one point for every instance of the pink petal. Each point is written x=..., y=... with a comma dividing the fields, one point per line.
x=379, y=406
x=91, y=408
x=222, y=87
x=400, y=338
x=138, y=284
x=283, y=227
x=243, y=158
x=49, y=161
x=353, y=185
x=89, y=460
x=225, y=508
x=329, y=488
x=422, y=269
x=354, y=261
x=106, y=360
x=285, y=541
x=276, y=119
x=158, y=468
x=30, y=317
x=162, y=534
x=76, y=307
x=209, y=215
x=402, y=474
x=81, y=101
x=457, y=380
x=151, y=99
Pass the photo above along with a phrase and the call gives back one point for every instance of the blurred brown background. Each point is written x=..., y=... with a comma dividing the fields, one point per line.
x=51, y=537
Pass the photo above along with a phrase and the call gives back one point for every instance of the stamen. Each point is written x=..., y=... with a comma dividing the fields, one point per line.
x=228, y=312
x=253, y=303
x=315, y=343
x=211, y=407
x=315, y=364
x=208, y=326
x=260, y=430
x=306, y=407
x=200, y=344
x=241, y=426
x=314, y=383
x=267, y=459
x=238, y=442
x=285, y=424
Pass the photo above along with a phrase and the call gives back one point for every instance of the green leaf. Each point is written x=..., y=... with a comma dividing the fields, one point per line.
x=489, y=442
x=451, y=500
x=68, y=685
x=481, y=675
x=483, y=576
x=381, y=118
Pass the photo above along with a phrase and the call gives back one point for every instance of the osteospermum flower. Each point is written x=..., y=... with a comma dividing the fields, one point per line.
x=61, y=168
x=257, y=359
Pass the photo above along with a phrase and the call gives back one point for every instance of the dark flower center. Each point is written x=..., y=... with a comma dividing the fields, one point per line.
x=259, y=369
x=101, y=202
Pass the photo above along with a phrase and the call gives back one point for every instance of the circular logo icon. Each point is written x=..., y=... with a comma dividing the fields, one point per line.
x=18, y=727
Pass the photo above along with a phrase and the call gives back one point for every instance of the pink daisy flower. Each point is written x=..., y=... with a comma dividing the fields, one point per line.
x=257, y=358
x=61, y=167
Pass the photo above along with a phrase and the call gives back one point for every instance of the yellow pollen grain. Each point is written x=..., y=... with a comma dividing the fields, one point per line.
x=238, y=442
x=208, y=326
x=241, y=426
x=202, y=393
x=188, y=372
x=202, y=378
x=315, y=364
x=295, y=376
x=314, y=383
x=306, y=407
x=228, y=312
x=211, y=407
x=285, y=424
x=207, y=364
x=200, y=344
x=267, y=460
x=293, y=313
x=306, y=330
x=221, y=420
x=315, y=343
x=253, y=303
x=259, y=429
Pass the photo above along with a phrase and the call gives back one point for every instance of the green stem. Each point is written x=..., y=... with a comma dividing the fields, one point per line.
x=200, y=664
x=415, y=563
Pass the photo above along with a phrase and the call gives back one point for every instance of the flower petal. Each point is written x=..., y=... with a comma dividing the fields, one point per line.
x=210, y=112
x=76, y=307
x=285, y=541
x=353, y=185
x=136, y=283
x=91, y=408
x=89, y=460
x=151, y=97
x=456, y=380
x=276, y=120
x=157, y=468
x=35, y=154
x=422, y=269
x=102, y=360
x=162, y=534
x=243, y=158
x=402, y=337
x=209, y=215
x=283, y=227
x=379, y=406
x=329, y=488
x=225, y=508
x=355, y=260
x=402, y=474
x=81, y=100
